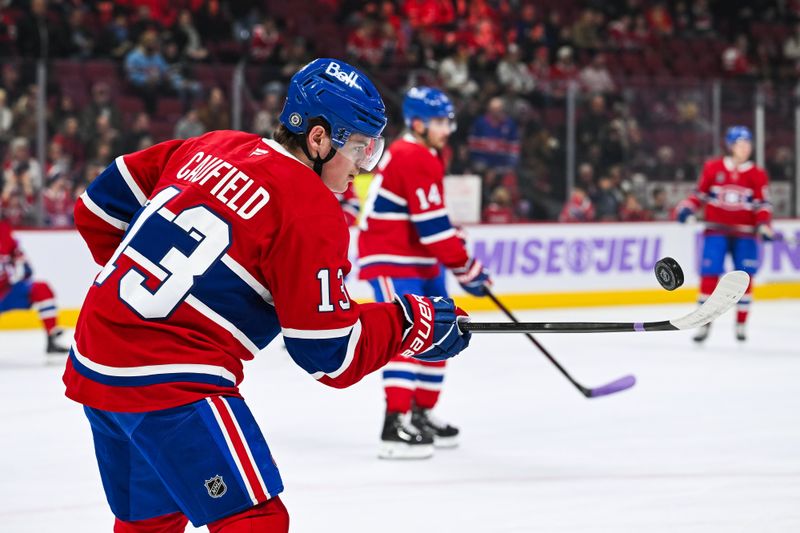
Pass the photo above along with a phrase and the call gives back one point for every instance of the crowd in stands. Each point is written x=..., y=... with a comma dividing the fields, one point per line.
x=128, y=73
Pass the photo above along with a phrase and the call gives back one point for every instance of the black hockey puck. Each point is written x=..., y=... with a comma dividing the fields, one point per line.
x=669, y=273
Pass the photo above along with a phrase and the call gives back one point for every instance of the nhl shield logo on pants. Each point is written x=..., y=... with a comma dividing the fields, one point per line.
x=216, y=487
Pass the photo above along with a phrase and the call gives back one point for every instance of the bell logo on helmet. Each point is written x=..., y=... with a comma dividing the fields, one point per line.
x=295, y=119
x=351, y=79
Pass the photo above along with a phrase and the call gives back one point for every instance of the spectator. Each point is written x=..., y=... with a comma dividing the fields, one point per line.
x=214, y=114
x=595, y=77
x=265, y=41
x=37, y=27
x=105, y=135
x=606, y=200
x=365, y=45
x=592, y=126
x=585, y=178
x=70, y=140
x=115, y=40
x=513, y=74
x=660, y=20
x=659, y=207
x=735, y=58
x=266, y=118
x=21, y=177
x=585, y=32
x=562, y=72
x=147, y=71
x=100, y=105
x=494, y=139
x=454, y=72
x=499, y=209
x=59, y=164
x=58, y=203
x=578, y=207
x=791, y=47
x=189, y=126
x=133, y=136
x=80, y=40
x=632, y=210
x=188, y=38
x=6, y=117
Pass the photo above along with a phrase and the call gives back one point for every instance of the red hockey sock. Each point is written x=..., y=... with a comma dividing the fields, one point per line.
x=430, y=377
x=268, y=517
x=168, y=523
x=398, y=399
x=743, y=307
x=707, y=286
x=43, y=300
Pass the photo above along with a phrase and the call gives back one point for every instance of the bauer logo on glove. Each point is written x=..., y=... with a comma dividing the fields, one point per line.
x=432, y=332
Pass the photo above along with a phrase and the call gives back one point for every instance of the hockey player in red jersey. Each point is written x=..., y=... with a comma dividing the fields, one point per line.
x=19, y=291
x=734, y=192
x=210, y=248
x=405, y=235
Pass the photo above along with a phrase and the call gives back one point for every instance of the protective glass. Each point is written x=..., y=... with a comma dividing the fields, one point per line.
x=364, y=152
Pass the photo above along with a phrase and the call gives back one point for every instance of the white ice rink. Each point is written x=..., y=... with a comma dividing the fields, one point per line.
x=707, y=441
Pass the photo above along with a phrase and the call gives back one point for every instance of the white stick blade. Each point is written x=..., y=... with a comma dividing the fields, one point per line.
x=729, y=291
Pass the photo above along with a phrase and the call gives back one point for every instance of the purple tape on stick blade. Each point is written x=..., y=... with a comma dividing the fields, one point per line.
x=615, y=386
x=638, y=326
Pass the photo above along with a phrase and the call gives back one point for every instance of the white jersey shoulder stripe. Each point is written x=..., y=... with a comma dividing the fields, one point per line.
x=376, y=215
x=102, y=215
x=141, y=197
x=389, y=195
x=152, y=370
x=399, y=259
x=429, y=215
x=436, y=237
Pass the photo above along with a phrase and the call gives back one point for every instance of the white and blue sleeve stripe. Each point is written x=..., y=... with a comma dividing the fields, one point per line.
x=323, y=352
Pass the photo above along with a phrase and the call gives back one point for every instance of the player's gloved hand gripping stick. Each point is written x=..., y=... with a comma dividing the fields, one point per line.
x=432, y=330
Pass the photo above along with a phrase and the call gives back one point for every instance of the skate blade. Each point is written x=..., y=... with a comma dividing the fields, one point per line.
x=445, y=442
x=401, y=450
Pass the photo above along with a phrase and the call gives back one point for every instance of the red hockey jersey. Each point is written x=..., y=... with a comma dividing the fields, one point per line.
x=350, y=204
x=13, y=267
x=405, y=229
x=732, y=195
x=211, y=247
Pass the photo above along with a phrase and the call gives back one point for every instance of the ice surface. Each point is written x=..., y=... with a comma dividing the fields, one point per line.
x=707, y=441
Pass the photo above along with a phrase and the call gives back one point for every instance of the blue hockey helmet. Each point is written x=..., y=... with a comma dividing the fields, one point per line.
x=342, y=95
x=738, y=133
x=426, y=103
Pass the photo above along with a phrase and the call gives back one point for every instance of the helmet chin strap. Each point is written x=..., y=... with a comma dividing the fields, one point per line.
x=317, y=160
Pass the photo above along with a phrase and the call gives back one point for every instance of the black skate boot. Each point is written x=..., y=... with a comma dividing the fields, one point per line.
x=702, y=333
x=401, y=440
x=53, y=344
x=741, y=332
x=444, y=435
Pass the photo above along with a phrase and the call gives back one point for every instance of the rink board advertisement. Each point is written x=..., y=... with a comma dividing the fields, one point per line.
x=533, y=265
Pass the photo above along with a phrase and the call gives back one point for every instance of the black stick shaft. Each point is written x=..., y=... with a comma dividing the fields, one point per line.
x=565, y=327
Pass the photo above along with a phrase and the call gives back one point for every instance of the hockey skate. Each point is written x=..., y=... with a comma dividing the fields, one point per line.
x=54, y=347
x=741, y=332
x=401, y=440
x=702, y=333
x=444, y=435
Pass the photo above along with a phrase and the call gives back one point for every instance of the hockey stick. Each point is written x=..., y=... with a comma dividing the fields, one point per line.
x=729, y=290
x=744, y=228
x=619, y=385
